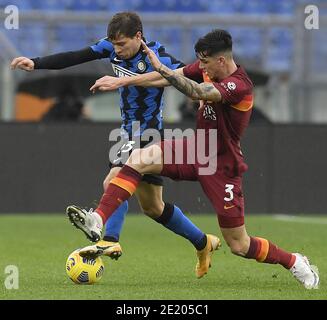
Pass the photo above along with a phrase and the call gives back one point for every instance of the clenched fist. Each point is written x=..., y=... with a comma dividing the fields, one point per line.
x=22, y=63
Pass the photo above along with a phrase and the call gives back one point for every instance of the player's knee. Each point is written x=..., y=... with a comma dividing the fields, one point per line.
x=153, y=211
x=142, y=159
x=135, y=159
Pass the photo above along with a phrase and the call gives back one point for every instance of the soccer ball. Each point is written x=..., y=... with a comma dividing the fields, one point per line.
x=83, y=270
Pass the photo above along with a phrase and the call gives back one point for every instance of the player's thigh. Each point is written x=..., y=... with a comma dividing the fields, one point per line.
x=150, y=200
x=112, y=173
x=178, y=159
x=227, y=198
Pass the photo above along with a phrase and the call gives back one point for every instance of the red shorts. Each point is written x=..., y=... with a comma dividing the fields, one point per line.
x=225, y=193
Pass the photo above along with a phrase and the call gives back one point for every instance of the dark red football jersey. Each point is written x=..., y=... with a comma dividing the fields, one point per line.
x=230, y=117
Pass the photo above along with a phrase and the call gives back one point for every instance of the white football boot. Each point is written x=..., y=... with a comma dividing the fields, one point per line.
x=87, y=221
x=304, y=272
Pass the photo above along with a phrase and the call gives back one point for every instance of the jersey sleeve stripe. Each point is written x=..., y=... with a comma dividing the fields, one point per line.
x=245, y=105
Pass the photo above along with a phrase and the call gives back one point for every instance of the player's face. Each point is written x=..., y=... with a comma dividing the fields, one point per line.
x=126, y=47
x=212, y=66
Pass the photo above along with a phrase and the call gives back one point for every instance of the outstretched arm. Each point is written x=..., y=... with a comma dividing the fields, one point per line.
x=56, y=61
x=151, y=79
x=192, y=89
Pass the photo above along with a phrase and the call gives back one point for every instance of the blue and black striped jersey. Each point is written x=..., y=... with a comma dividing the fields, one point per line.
x=138, y=103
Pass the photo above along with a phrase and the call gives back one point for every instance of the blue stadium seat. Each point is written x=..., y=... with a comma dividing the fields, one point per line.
x=30, y=39
x=152, y=6
x=123, y=5
x=247, y=42
x=280, y=49
x=32, y=51
x=283, y=36
x=97, y=32
x=62, y=45
x=189, y=6
x=102, y=4
x=71, y=37
x=169, y=37
x=85, y=5
x=286, y=7
x=170, y=5
x=35, y=31
x=225, y=6
x=255, y=7
x=278, y=60
x=71, y=30
x=50, y=5
x=22, y=5
x=198, y=32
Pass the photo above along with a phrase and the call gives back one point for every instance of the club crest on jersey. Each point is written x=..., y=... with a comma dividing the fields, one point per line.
x=209, y=113
x=141, y=66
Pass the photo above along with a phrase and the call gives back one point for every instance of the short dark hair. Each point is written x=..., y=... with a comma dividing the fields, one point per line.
x=214, y=42
x=124, y=23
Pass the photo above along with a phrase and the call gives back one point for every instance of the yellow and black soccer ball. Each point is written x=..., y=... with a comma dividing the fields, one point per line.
x=82, y=270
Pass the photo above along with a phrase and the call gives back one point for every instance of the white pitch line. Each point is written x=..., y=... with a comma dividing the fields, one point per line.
x=290, y=218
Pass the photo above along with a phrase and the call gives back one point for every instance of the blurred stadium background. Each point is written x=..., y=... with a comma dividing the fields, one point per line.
x=47, y=165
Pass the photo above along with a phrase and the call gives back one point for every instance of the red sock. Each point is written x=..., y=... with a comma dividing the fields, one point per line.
x=120, y=189
x=264, y=251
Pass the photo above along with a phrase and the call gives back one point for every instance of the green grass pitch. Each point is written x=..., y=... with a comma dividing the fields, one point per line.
x=156, y=264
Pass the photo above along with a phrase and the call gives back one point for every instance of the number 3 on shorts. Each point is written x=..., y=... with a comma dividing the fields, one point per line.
x=228, y=190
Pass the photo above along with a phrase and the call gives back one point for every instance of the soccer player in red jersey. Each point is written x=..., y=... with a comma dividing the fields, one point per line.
x=226, y=93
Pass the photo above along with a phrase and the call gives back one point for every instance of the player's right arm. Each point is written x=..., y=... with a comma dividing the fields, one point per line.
x=151, y=79
x=100, y=50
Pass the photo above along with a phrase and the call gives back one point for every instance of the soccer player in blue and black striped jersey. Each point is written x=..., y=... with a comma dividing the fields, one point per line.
x=138, y=104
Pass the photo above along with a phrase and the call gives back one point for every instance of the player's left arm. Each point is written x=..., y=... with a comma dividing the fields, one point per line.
x=192, y=89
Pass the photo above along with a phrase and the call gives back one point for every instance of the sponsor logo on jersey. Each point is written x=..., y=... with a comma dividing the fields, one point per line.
x=209, y=113
x=122, y=72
